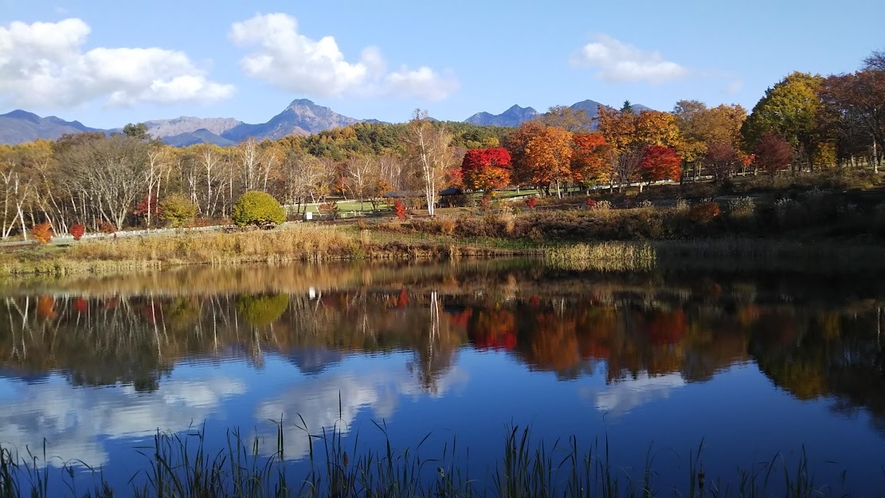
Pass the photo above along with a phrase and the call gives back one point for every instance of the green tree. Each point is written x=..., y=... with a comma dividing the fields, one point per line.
x=790, y=109
x=262, y=310
x=138, y=131
x=177, y=210
x=257, y=208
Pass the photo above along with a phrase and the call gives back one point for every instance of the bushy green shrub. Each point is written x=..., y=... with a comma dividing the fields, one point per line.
x=262, y=310
x=257, y=208
x=177, y=210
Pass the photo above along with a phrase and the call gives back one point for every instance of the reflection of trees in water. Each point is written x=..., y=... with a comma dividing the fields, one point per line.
x=435, y=351
x=810, y=345
x=135, y=340
x=102, y=344
x=825, y=354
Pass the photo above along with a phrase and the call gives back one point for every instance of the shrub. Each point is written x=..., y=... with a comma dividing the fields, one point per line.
x=42, y=232
x=262, y=310
x=682, y=205
x=106, y=227
x=177, y=210
x=329, y=209
x=486, y=201
x=446, y=226
x=703, y=213
x=599, y=206
x=78, y=230
x=788, y=212
x=257, y=208
x=741, y=207
x=531, y=201
x=400, y=209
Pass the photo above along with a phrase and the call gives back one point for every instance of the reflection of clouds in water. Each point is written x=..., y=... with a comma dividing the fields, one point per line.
x=620, y=397
x=316, y=400
x=72, y=420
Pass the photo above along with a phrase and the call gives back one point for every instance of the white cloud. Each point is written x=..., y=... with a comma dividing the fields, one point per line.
x=424, y=82
x=734, y=87
x=620, y=62
x=335, y=400
x=75, y=421
x=295, y=63
x=43, y=65
x=623, y=396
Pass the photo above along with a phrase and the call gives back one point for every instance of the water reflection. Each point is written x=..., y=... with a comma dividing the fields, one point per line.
x=621, y=397
x=74, y=421
x=85, y=361
x=336, y=399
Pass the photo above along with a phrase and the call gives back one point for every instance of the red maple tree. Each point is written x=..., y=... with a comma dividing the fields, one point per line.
x=660, y=163
x=486, y=169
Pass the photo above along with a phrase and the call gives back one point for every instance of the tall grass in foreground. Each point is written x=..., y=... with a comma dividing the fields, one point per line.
x=182, y=465
x=603, y=256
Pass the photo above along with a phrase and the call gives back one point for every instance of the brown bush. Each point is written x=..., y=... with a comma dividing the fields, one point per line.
x=446, y=226
x=703, y=213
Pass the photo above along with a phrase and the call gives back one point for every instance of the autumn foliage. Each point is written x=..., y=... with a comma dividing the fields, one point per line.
x=590, y=161
x=773, y=153
x=46, y=307
x=42, y=232
x=486, y=169
x=492, y=329
x=549, y=156
x=399, y=209
x=660, y=163
x=78, y=230
x=704, y=213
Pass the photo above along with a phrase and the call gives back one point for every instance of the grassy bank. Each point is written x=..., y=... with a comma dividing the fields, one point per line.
x=287, y=244
x=627, y=240
x=182, y=465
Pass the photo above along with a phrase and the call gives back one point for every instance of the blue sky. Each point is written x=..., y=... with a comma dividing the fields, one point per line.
x=107, y=63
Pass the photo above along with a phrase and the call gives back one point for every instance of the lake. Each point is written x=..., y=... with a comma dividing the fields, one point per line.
x=739, y=372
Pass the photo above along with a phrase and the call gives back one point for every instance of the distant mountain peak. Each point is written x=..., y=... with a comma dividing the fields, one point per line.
x=302, y=103
x=21, y=126
x=513, y=116
x=23, y=115
x=300, y=117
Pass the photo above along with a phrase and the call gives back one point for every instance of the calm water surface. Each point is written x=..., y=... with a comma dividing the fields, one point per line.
x=749, y=367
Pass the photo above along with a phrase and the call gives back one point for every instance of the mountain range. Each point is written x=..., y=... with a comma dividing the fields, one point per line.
x=301, y=117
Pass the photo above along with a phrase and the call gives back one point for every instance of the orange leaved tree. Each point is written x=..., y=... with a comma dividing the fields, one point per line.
x=549, y=156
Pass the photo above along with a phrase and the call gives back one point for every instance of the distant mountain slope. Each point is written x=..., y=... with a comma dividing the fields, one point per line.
x=201, y=136
x=517, y=115
x=301, y=117
x=514, y=116
x=21, y=126
x=161, y=128
x=591, y=107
